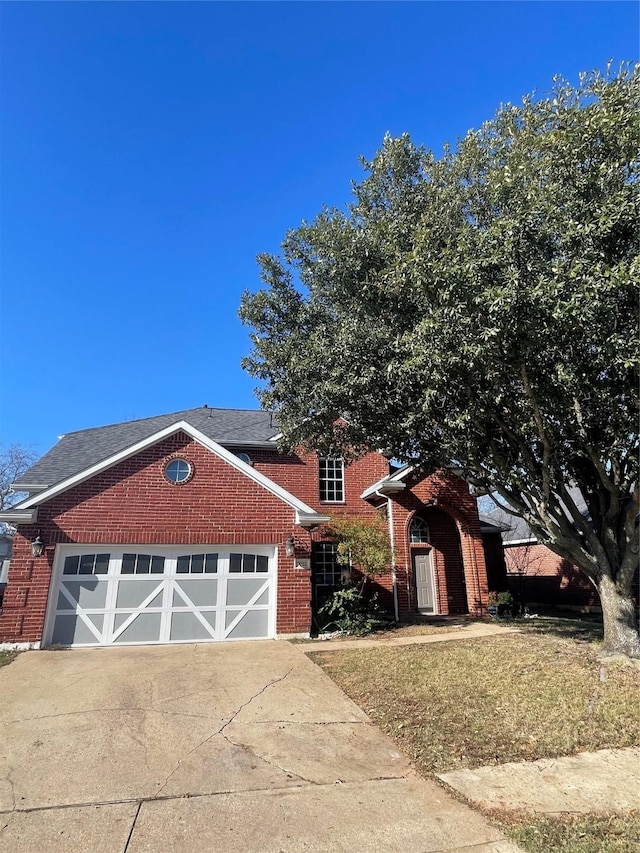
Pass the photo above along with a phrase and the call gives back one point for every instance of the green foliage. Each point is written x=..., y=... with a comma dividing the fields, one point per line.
x=500, y=599
x=362, y=543
x=481, y=308
x=350, y=611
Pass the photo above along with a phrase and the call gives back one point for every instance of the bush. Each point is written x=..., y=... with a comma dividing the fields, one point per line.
x=350, y=612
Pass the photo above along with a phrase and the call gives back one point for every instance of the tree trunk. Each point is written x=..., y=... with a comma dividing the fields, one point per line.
x=620, y=617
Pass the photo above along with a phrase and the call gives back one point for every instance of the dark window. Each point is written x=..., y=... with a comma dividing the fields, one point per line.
x=248, y=563
x=142, y=564
x=86, y=564
x=197, y=564
x=418, y=530
x=326, y=570
x=331, y=472
x=177, y=471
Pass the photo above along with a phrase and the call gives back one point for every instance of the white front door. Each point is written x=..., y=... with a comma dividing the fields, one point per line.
x=105, y=596
x=425, y=582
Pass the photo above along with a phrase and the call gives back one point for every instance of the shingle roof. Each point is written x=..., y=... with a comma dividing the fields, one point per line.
x=77, y=451
x=515, y=529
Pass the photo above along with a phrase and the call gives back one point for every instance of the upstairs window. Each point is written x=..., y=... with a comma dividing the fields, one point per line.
x=331, y=480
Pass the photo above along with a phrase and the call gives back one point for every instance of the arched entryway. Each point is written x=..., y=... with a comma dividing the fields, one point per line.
x=437, y=568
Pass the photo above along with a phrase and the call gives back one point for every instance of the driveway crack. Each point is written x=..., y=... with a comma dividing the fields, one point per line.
x=275, y=764
x=133, y=826
x=105, y=710
x=12, y=788
x=223, y=727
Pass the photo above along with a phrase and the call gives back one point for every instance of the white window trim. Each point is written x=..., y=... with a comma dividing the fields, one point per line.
x=339, y=459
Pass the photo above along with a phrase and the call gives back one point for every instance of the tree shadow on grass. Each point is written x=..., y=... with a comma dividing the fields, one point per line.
x=582, y=628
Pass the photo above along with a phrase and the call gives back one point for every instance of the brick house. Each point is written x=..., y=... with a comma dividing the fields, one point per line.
x=535, y=575
x=194, y=527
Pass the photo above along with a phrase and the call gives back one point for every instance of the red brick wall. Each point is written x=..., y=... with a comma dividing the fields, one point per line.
x=538, y=576
x=456, y=541
x=299, y=475
x=132, y=503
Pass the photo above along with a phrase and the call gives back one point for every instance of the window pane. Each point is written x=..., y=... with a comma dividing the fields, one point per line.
x=71, y=566
x=419, y=530
x=144, y=564
x=263, y=564
x=86, y=564
x=128, y=564
x=183, y=565
x=157, y=565
x=102, y=564
x=197, y=563
x=331, y=472
x=211, y=563
x=249, y=563
x=235, y=563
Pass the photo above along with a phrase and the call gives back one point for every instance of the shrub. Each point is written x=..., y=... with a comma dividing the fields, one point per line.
x=350, y=611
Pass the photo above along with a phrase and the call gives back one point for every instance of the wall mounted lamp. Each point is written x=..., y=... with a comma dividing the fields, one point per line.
x=37, y=546
x=289, y=547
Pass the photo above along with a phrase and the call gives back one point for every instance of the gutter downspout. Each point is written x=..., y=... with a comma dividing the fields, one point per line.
x=396, y=611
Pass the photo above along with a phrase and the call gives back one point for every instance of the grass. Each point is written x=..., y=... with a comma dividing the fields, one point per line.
x=513, y=697
x=574, y=833
x=7, y=657
x=537, y=694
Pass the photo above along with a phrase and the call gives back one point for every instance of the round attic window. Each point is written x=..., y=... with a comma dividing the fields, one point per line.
x=178, y=471
x=244, y=457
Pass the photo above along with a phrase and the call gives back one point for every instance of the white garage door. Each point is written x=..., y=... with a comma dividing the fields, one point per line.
x=104, y=596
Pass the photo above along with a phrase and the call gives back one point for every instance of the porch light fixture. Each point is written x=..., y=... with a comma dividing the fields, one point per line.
x=289, y=547
x=37, y=546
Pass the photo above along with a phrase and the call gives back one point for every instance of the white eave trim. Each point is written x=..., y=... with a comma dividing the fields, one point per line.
x=386, y=486
x=301, y=508
x=29, y=487
x=19, y=516
x=312, y=519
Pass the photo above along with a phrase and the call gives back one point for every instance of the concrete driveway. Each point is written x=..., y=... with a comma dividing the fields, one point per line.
x=238, y=747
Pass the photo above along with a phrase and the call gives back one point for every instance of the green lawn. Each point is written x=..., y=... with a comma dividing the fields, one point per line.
x=7, y=657
x=513, y=697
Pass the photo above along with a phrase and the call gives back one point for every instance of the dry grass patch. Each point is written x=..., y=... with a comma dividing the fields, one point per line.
x=7, y=657
x=574, y=833
x=488, y=701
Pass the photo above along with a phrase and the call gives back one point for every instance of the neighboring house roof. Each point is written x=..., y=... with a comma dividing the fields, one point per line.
x=512, y=527
x=491, y=525
x=515, y=529
x=305, y=515
x=77, y=451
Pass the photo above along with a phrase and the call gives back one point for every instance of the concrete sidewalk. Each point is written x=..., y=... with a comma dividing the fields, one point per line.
x=603, y=781
x=472, y=630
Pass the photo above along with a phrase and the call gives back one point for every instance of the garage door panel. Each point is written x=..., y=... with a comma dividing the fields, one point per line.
x=186, y=626
x=242, y=590
x=88, y=593
x=251, y=624
x=72, y=630
x=145, y=628
x=195, y=592
x=133, y=593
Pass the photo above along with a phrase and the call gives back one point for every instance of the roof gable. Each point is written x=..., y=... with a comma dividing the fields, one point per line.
x=305, y=515
x=77, y=451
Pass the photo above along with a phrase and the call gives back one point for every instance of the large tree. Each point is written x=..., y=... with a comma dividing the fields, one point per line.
x=480, y=309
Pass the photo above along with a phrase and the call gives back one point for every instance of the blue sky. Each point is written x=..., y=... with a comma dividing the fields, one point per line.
x=150, y=150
